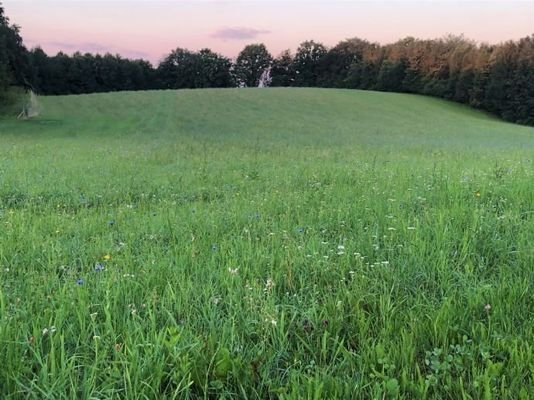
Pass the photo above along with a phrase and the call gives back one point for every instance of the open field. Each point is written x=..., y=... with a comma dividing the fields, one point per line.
x=277, y=243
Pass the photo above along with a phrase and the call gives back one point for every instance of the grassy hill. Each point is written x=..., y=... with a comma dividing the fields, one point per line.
x=284, y=243
x=312, y=117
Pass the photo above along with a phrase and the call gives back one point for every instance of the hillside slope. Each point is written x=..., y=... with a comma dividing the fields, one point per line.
x=288, y=243
x=312, y=117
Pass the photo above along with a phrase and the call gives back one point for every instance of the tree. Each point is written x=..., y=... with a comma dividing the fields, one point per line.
x=213, y=70
x=177, y=70
x=251, y=62
x=186, y=69
x=14, y=65
x=282, y=71
x=335, y=66
x=391, y=76
x=307, y=61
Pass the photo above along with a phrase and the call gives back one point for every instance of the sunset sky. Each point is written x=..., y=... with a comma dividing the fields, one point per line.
x=150, y=29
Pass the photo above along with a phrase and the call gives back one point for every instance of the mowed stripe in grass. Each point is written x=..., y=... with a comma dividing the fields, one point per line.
x=287, y=243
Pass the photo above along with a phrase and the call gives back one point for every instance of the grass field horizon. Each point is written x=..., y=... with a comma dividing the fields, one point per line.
x=265, y=243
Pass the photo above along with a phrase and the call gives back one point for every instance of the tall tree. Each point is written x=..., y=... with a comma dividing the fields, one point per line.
x=251, y=62
x=307, y=63
x=213, y=70
x=391, y=76
x=335, y=66
x=14, y=65
x=282, y=71
x=177, y=70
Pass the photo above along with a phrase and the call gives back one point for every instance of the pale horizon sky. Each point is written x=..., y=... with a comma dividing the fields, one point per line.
x=151, y=29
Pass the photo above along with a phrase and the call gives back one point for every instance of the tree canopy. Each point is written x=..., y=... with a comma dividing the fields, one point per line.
x=250, y=64
x=14, y=67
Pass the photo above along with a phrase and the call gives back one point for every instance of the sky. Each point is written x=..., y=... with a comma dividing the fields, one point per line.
x=150, y=29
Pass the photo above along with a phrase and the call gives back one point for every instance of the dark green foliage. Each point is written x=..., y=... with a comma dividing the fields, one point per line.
x=88, y=73
x=391, y=76
x=282, y=71
x=183, y=69
x=253, y=60
x=14, y=66
x=307, y=63
x=362, y=75
x=412, y=82
x=335, y=66
x=213, y=70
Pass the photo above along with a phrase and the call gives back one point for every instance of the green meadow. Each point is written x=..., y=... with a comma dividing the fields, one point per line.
x=258, y=244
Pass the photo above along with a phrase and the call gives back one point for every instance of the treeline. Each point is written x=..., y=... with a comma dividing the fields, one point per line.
x=14, y=61
x=87, y=73
x=496, y=78
x=181, y=69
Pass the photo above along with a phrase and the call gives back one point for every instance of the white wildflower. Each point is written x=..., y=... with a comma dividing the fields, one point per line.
x=268, y=285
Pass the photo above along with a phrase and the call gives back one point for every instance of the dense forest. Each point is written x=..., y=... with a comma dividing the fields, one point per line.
x=497, y=78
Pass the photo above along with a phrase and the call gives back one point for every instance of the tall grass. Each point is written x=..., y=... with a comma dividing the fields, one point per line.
x=265, y=244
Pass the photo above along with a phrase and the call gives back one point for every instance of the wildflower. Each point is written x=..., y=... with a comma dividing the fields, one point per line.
x=107, y=257
x=50, y=330
x=133, y=309
x=411, y=228
x=391, y=229
x=487, y=307
x=93, y=315
x=95, y=337
x=477, y=194
x=385, y=262
x=233, y=271
x=99, y=267
x=80, y=281
x=268, y=285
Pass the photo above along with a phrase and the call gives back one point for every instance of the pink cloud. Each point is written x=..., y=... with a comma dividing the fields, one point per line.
x=238, y=33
